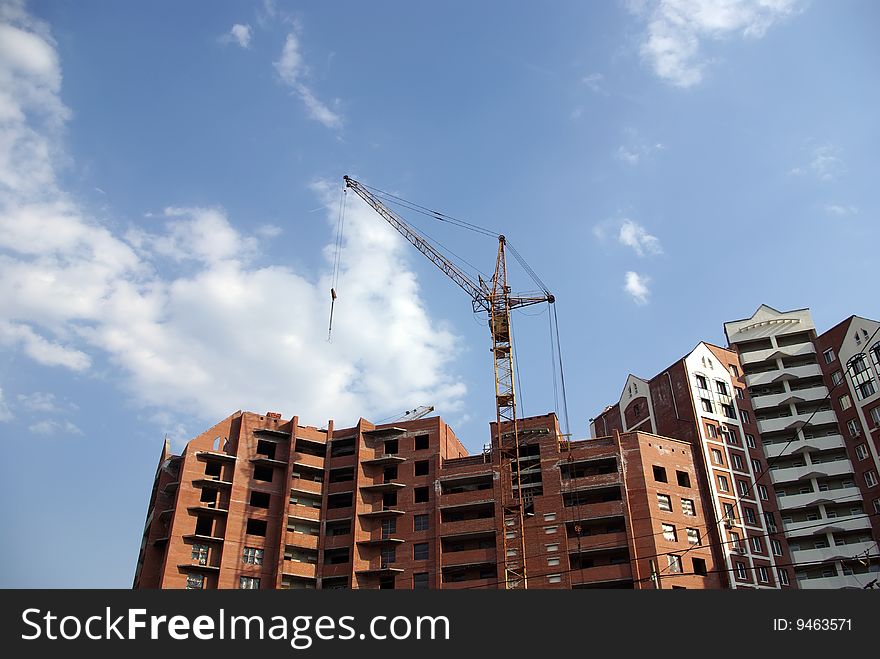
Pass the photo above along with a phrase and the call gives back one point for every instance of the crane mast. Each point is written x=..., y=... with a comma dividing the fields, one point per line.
x=495, y=299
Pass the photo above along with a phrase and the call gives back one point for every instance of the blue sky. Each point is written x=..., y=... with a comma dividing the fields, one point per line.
x=170, y=182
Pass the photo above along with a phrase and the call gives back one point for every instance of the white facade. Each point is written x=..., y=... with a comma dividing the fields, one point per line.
x=821, y=507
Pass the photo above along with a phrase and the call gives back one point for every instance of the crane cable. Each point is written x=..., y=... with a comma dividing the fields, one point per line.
x=334, y=279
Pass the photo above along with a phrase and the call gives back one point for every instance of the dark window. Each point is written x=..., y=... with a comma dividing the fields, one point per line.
x=342, y=447
x=420, y=581
x=699, y=566
x=263, y=474
x=204, y=525
x=386, y=583
x=260, y=499
x=208, y=496
x=266, y=448
x=389, y=474
x=336, y=556
x=660, y=474
x=420, y=495
x=342, y=500
x=256, y=527
x=389, y=499
x=339, y=528
x=213, y=469
x=683, y=478
x=391, y=447
x=341, y=475
x=422, y=442
x=421, y=468
x=388, y=555
x=420, y=523
x=420, y=551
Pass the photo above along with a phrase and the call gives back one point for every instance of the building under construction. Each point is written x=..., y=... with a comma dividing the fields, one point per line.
x=258, y=501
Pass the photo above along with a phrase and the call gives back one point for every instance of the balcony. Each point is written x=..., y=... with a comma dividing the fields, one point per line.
x=207, y=509
x=383, y=460
x=792, y=373
x=803, y=446
x=198, y=538
x=596, y=510
x=306, y=486
x=382, y=512
x=790, y=474
x=265, y=461
x=467, y=526
x=471, y=497
x=601, y=573
x=377, y=567
x=299, y=569
x=468, y=557
x=171, y=487
x=601, y=541
x=301, y=540
x=832, y=583
x=383, y=487
x=594, y=480
x=308, y=460
x=211, y=481
x=796, y=421
x=833, y=524
x=303, y=512
x=798, y=350
x=205, y=456
x=196, y=567
x=380, y=540
x=835, y=553
x=794, y=501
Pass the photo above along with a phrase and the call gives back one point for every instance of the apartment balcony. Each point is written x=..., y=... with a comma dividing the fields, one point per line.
x=595, y=510
x=795, y=501
x=467, y=498
x=206, y=509
x=303, y=512
x=826, y=443
x=206, y=456
x=383, y=487
x=299, y=569
x=833, y=583
x=265, y=461
x=383, y=461
x=835, y=553
x=212, y=482
x=301, y=540
x=170, y=488
x=337, y=541
x=377, y=567
x=795, y=421
x=382, y=512
x=379, y=540
x=595, y=480
x=199, y=538
x=798, y=350
x=601, y=573
x=811, y=394
x=791, y=474
x=198, y=567
x=306, y=486
x=762, y=403
x=602, y=541
x=832, y=525
x=308, y=460
x=467, y=526
x=792, y=373
x=469, y=557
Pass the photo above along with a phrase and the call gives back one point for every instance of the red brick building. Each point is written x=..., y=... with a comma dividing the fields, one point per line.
x=702, y=400
x=261, y=502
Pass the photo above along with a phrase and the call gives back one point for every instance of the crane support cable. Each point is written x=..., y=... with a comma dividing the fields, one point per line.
x=561, y=371
x=337, y=257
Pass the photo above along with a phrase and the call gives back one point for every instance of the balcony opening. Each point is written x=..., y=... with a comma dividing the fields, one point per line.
x=389, y=474
x=339, y=448
x=213, y=469
x=467, y=484
x=266, y=448
x=421, y=468
x=341, y=500
x=342, y=475
x=309, y=447
x=208, y=497
x=205, y=525
x=263, y=474
x=256, y=527
x=260, y=499
x=336, y=556
x=307, y=474
x=584, y=468
x=386, y=583
x=391, y=447
x=389, y=499
x=342, y=527
x=334, y=583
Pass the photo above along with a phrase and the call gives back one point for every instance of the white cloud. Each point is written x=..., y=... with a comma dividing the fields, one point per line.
x=52, y=427
x=635, y=148
x=637, y=286
x=677, y=28
x=594, y=82
x=5, y=413
x=241, y=34
x=191, y=323
x=291, y=69
x=269, y=231
x=826, y=163
x=628, y=156
x=840, y=210
x=41, y=402
x=636, y=236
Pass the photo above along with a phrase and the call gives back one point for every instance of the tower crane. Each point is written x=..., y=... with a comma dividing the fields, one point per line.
x=493, y=297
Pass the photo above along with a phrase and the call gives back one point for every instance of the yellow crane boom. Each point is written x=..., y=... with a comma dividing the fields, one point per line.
x=495, y=299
